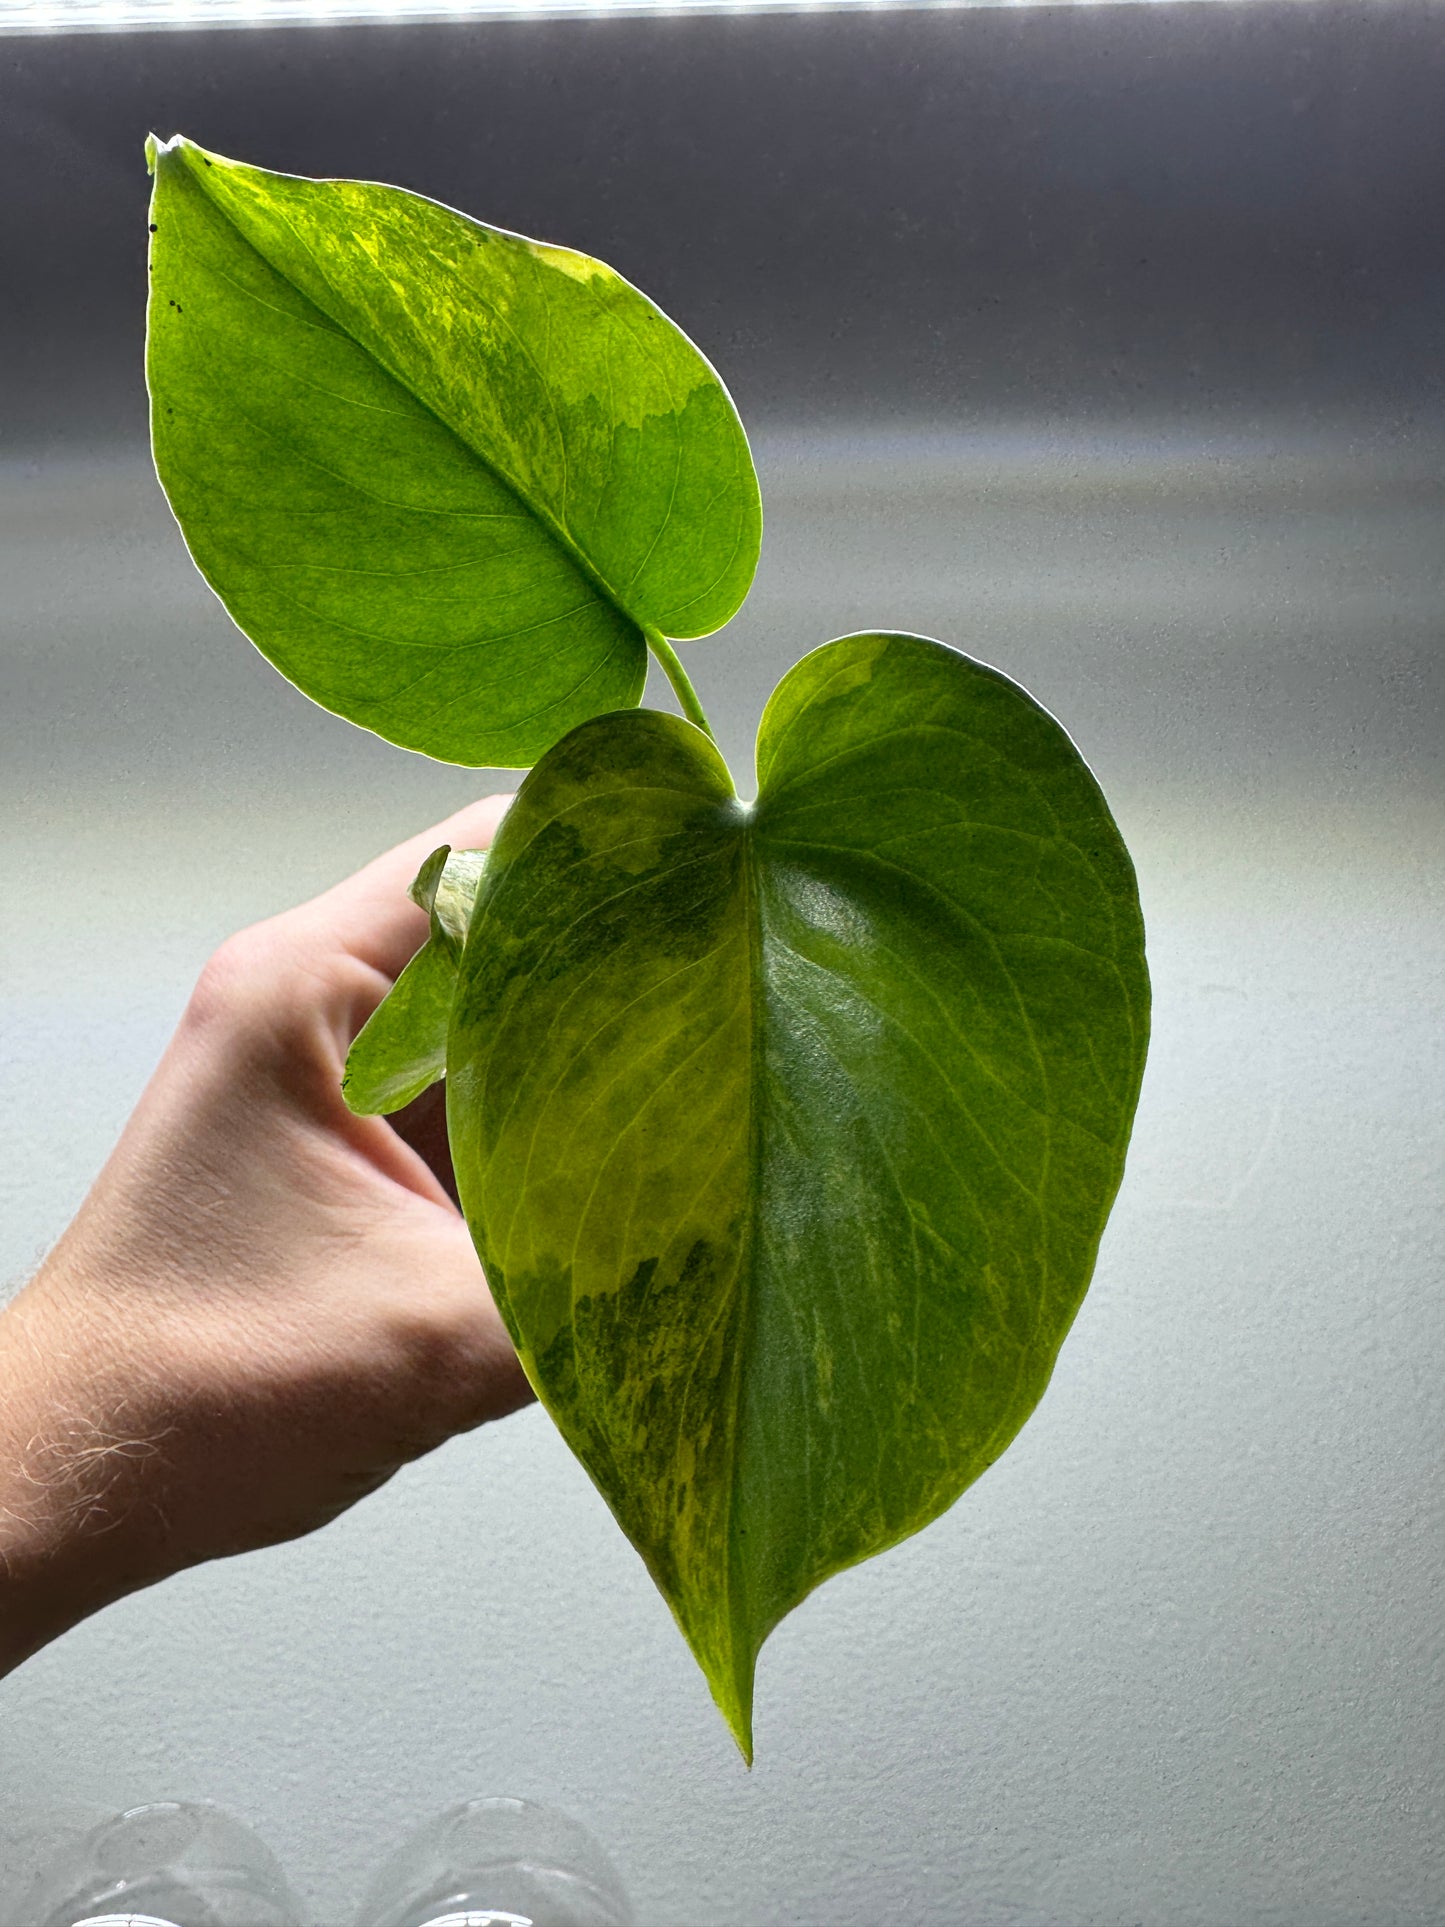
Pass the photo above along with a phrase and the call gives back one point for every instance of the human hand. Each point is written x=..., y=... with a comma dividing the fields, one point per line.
x=266, y=1305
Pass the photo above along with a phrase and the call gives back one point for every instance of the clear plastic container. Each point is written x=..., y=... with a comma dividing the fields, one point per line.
x=171, y=1864
x=498, y=1862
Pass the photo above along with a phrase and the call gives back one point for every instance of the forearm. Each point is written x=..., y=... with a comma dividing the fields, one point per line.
x=65, y=1545
x=31, y=1528
x=36, y=1605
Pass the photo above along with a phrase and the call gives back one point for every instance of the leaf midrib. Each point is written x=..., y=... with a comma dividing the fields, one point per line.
x=740, y=1637
x=558, y=532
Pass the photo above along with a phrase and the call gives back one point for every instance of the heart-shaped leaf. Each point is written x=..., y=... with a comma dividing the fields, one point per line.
x=401, y=1050
x=448, y=480
x=787, y=1134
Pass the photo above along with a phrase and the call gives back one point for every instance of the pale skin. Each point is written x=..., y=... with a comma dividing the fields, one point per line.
x=265, y=1306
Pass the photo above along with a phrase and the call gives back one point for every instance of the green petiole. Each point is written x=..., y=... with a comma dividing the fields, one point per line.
x=678, y=677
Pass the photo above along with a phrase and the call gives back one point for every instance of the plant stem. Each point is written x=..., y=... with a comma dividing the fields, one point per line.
x=677, y=676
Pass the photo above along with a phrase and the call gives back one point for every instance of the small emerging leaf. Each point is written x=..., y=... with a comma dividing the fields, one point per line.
x=423, y=887
x=401, y=1050
x=447, y=891
x=787, y=1134
x=443, y=476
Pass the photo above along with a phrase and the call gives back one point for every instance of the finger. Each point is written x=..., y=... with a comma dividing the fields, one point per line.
x=371, y=916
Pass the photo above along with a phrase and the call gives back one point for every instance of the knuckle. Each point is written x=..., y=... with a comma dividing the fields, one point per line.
x=269, y=976
x=227, y=986
x=452, y=1355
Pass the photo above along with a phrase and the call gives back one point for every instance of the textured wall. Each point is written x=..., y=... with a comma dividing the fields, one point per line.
x=1104, y=344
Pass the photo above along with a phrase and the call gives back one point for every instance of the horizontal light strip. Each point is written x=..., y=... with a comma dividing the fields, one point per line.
x=109, y=16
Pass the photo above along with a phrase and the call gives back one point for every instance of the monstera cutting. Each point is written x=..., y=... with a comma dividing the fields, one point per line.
x=786, y=1128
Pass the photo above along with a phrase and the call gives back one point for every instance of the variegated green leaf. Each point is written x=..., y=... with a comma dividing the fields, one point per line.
x=401, y=1050
x=449, y=480
x=787, y=1133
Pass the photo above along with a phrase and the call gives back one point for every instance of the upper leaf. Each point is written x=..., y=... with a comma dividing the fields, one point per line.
x=444, y=477
x=787, y=1134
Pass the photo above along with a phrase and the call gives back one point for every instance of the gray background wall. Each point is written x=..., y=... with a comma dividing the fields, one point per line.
x=1104, y=343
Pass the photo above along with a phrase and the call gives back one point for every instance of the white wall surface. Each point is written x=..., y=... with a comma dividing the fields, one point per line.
x=1177, y=1659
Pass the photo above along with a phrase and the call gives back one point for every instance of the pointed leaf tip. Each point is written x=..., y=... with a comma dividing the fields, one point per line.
x=423, y=887
x=158, y=149
x=739, y=1715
